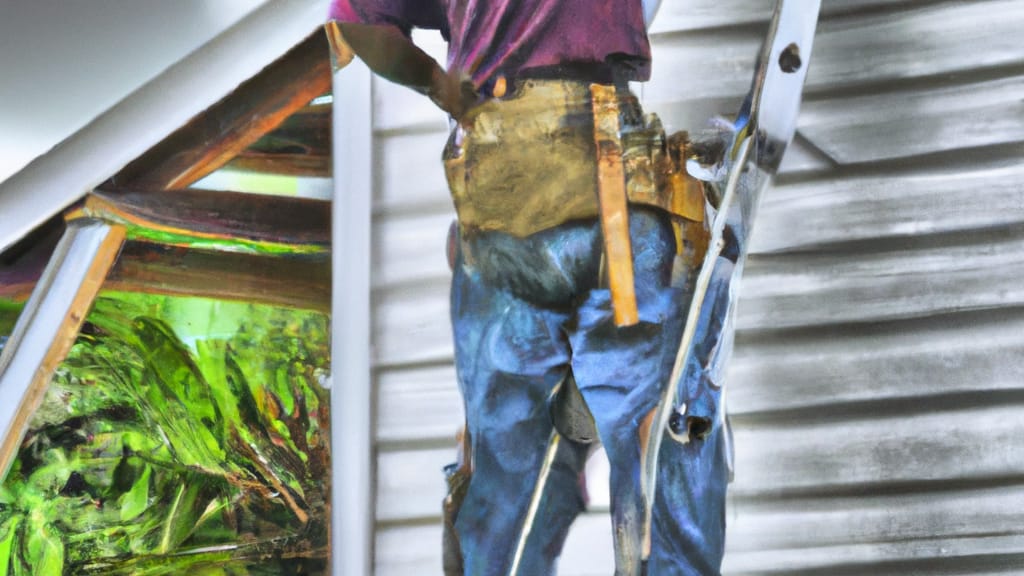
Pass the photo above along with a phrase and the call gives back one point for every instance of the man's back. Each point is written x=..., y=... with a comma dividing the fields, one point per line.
x=592, y=40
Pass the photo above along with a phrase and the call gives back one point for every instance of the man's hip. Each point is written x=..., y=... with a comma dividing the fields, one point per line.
x=528, y=162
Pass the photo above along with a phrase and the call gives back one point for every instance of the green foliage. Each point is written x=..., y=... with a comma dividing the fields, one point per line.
x=8, y=532
x=9, y=312
x=134, y=501
x=44, y=551
x=173, y=426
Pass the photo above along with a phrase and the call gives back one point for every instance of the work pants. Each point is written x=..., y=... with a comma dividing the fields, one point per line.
x=527, y=313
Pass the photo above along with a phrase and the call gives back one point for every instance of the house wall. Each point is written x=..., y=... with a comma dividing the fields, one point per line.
x=877, y=389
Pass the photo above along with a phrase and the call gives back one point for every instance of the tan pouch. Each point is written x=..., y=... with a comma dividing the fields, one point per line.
x=528, y=162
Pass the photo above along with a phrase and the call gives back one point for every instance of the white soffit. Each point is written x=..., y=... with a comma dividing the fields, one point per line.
x=64, y=63
x=145, y=117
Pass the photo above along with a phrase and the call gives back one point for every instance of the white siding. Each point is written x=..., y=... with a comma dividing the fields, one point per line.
x=878, y=385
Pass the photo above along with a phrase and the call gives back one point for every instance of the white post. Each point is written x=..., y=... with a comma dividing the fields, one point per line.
x=352, y=494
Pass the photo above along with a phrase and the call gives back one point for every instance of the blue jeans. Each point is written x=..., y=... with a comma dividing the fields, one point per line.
x=527, y=312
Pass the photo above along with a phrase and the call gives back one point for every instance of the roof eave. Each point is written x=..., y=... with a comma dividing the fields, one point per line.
x=145, y=117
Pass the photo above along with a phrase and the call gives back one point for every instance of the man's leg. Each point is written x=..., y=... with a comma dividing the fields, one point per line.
x=688, y=526
x=621, y=372
x=688, y=520
x=509, y=357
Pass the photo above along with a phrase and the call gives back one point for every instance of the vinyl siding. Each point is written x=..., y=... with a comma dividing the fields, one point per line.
x=877, y=389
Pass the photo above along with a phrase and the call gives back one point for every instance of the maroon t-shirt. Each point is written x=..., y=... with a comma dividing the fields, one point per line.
x=596, y=40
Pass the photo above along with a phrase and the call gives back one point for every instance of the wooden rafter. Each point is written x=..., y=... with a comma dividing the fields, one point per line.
x=300, y=146
x=226, y=129
x=153, y=269
x=218, y=215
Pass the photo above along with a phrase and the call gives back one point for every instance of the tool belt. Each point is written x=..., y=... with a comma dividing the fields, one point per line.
x=532, y=160
x=527, y=162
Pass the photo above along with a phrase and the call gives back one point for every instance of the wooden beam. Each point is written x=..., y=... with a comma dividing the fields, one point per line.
x=300, y=146
x=277, y=280
x=283, y=164
x=255, y=108
x=230, y=216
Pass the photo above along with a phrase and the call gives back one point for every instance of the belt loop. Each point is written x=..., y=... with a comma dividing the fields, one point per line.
x=614, y=214
x=500, y=87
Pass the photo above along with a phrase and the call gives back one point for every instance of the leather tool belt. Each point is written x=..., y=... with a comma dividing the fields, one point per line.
x=552, y=151
x=528, y=162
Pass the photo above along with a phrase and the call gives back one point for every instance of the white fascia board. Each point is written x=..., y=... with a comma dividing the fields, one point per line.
x=145, y=117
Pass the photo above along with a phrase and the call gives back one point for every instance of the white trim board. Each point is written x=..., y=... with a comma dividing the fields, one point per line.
x=352, y=458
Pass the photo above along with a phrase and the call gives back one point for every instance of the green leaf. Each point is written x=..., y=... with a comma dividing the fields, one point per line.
x=212, y=359
x=8, y=533
x=180, y=397
x=135, y=501
x=183, y=515
x=46, y=480
x=44, y=551
x=173, y=364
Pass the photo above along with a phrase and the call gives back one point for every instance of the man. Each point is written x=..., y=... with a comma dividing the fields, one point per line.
x=579, y=236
